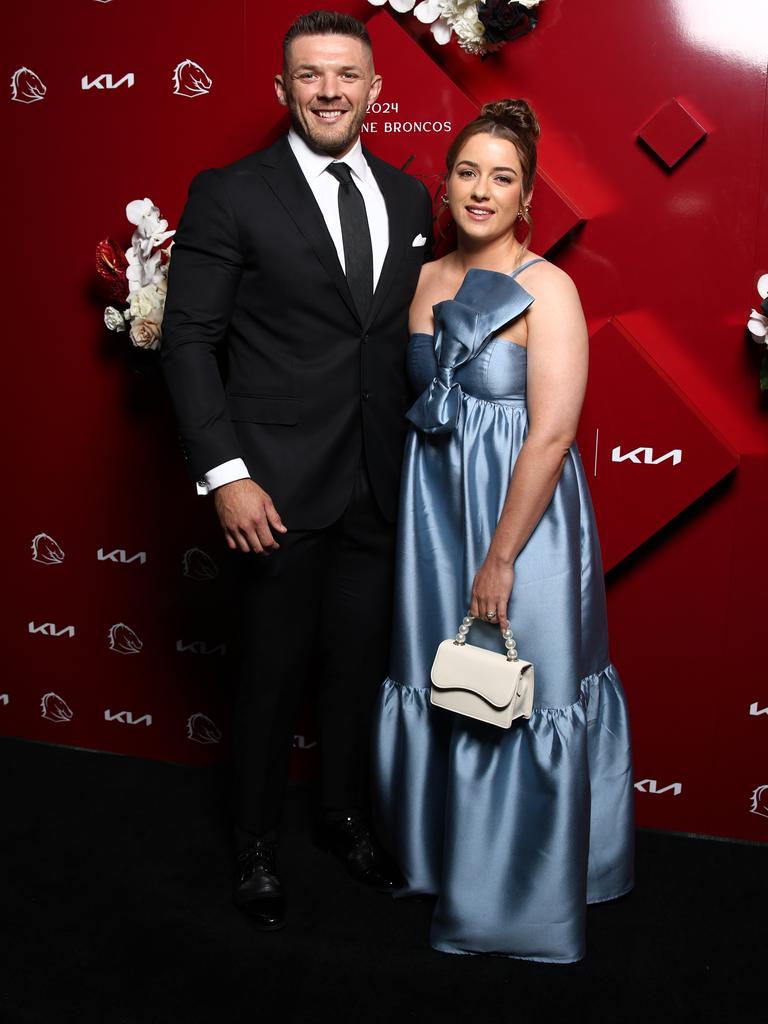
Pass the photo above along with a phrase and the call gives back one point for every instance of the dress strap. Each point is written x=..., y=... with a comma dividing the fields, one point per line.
x=529, y=263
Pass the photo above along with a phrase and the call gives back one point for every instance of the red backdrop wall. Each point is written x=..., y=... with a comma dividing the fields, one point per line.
x=652, y=196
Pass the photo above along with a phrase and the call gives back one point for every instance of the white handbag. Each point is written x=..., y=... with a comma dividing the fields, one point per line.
x=480, y=684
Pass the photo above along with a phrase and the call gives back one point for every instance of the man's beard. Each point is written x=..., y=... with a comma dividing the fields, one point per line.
x=323, y=144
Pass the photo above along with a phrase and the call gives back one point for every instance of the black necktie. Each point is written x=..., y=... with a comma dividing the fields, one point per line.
x=358, y=254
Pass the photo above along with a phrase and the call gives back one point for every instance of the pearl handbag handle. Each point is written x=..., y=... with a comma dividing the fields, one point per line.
x=509, y=640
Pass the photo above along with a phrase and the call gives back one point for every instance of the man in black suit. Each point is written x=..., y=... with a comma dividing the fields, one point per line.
x=298, y=263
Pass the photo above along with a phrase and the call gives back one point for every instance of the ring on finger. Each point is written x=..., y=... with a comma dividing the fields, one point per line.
x=490, y=616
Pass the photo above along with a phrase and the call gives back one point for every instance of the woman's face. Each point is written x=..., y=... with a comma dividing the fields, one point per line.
x=485, y=188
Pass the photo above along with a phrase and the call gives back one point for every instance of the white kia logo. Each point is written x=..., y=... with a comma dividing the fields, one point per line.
x=26, y=86
x=46, y=551
x=189, y=79
x=122, y=639
x=107, y=81
x=647, y=456
x=652, y=786
x=54, y=708
x=201, y=729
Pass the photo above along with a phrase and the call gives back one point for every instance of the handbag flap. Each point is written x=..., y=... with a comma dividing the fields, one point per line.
x=486, y=674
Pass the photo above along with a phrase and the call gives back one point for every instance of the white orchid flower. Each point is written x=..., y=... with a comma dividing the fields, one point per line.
x=401, y=6
x=758, y=327
x=138, y=209
x=142, y=271
x=441, y=30
x=428, y=11
x=151, y=229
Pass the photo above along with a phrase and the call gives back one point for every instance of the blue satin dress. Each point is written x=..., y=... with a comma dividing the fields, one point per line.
x=515, y=831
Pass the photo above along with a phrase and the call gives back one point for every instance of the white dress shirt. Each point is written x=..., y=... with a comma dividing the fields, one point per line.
x=325, y=189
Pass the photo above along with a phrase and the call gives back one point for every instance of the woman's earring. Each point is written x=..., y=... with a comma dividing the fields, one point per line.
x=445, y=200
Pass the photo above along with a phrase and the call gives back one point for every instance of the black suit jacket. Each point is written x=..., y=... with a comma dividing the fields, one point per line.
x=303, y=386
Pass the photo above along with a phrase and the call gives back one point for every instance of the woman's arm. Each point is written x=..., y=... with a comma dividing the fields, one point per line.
x=557, y=378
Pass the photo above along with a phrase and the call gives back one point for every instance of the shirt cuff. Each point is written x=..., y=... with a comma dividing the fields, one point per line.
x=225, y=473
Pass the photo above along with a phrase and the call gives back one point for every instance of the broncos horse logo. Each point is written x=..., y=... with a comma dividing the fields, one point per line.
x=189, y=79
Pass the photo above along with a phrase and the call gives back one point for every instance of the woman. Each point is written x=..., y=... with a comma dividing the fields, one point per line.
x=516, y=830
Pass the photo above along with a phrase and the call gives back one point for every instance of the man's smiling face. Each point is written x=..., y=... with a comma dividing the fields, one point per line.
x=327, y=83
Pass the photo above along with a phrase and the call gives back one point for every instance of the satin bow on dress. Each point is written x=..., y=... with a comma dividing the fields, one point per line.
x=460, y=337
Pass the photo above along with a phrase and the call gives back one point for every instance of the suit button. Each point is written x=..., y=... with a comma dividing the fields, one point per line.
x=366, y=395
x=365, y=337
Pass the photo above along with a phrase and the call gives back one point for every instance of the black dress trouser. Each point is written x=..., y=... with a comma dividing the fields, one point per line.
x=318, y=610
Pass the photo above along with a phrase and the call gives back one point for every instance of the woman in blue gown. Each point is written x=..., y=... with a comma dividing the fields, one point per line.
x=514, y=831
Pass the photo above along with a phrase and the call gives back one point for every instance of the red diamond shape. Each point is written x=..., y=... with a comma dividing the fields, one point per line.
x=647, y=451
x=672, y=132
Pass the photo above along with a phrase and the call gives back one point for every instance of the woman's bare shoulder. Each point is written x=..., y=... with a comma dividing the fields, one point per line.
x=433, y=271
x=429, y=290
x=546, y=278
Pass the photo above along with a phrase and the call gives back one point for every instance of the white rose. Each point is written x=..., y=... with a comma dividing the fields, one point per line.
x=468, y=28
x=114, y=319
x=145, y=333
x=146, y=300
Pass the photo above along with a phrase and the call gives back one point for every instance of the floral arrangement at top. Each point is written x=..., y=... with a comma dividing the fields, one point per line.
x=138, y=276
x=757, y=325
x=480, y=27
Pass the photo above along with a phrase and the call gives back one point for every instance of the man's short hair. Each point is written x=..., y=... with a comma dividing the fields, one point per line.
x=326, y=23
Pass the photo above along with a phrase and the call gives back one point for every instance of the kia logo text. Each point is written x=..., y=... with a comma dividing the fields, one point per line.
x=653, y=787
x=107, y=82
x=200, y=647
x=646, y=456
x=121, y=556
x=126, y=718
x=50, y=629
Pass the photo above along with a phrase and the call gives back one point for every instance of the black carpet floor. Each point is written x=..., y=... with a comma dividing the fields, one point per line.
x=115, y=909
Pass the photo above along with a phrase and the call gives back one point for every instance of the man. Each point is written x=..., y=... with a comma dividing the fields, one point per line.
x=298, y=264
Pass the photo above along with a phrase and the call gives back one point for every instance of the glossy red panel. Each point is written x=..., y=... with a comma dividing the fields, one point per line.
x=647, y=451
x=670, y=258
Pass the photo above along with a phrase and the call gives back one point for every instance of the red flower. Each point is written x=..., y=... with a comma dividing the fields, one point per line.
x=111, y=265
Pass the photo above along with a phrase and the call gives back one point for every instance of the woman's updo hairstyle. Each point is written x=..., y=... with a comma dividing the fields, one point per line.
x=515, y=121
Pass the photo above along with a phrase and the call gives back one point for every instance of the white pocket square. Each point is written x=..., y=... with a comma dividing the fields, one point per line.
x=418, y=240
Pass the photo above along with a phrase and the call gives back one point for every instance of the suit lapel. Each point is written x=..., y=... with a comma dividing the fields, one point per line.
x=283, y=175
x=398, y=231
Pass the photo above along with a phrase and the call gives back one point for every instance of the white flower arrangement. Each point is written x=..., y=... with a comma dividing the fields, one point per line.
x=757, y=325
x=139, y=275
x=480, y=26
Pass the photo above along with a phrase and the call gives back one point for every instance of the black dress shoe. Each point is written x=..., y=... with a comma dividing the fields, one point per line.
x=258, y=891
x=352, y=842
